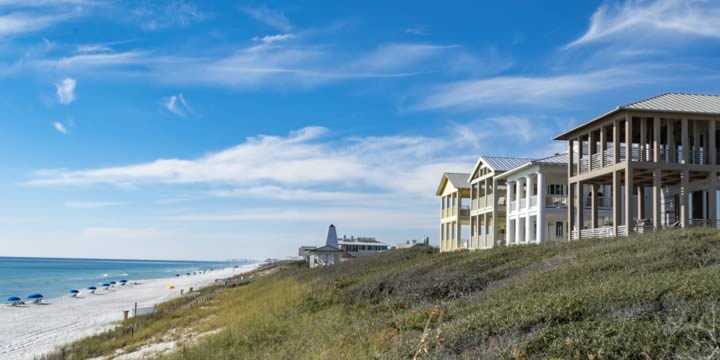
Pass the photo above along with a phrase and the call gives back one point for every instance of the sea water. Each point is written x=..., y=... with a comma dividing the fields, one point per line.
x=54, y=277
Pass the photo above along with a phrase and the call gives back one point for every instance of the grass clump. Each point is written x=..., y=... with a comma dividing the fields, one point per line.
x=649, y=296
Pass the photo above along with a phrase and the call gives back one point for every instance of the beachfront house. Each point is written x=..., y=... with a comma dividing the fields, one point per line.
x=361, y=246
x=488, y=200
x=537, y=194
x=454, y=194
x=665, y=146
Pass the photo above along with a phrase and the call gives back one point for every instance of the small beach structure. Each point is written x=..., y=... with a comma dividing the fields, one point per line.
x=106, y=286
x=36, y=298
x=123, y=282
x=74, y=293
x=91, y=289
x=328, y=254
x=15, y=301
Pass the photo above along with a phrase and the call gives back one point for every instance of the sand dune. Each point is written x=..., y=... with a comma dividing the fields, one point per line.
x=29, y=331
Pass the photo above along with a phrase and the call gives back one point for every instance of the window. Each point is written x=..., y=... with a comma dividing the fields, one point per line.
x=559, y=229
x=556, y=189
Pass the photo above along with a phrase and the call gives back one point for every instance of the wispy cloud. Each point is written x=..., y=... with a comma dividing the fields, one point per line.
x=270, y=17
x=269, y=39
x=66, y=90
x=399, y=164
x=24, y=22
x=653, y=19
x=551, y=90
x=91, y=204
x=177, y=105
x=60, y=127
x=156, y=16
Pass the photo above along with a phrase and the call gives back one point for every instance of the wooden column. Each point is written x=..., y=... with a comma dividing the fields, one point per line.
x=603, y=145
x=580, y=210
x=641, y=202
x=672, y=146
x=571, y=209
x=628, y=138
x=616, y=141
x=712, y=143
x=593, y=206
x=579, y=153
x=591, y=149
x=643, y=139
x=712, y=200
x=616, y=201
x=684, y=198
x=657, y=201
x=685, y=141
x=571, y=158
x=628, y=198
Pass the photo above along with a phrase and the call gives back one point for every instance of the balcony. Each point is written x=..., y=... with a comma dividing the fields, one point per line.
x=603, y=202
x=597, y=233
x=556, y=201
x=513, y=205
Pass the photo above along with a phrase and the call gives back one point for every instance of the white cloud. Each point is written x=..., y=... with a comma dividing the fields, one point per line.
x=61, y=128
x=304, y=158
x=652, y=18
x=177, y=105
x=92, y=49
x=19, y=23
x=270, y=17
x=295, y=194
x=91, y=204
x=162, y=15
x=547, y=91
x=66, y=90
x=269, y=39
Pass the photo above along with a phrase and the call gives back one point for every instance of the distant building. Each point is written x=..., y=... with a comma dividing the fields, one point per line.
x=305, y=250
x=412, y=243
x=325, y=255
x=361, y=246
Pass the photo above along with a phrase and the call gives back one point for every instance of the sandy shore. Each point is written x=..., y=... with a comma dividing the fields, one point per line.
x=32, y=330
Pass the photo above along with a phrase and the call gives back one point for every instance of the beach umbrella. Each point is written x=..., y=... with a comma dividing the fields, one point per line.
x=13, y=299
x=35, y=296
x=73, y=291
x=177, y=275
x=123, y=282
x=92, y=288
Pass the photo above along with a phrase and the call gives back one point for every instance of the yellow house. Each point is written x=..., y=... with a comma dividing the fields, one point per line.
x=454, y=193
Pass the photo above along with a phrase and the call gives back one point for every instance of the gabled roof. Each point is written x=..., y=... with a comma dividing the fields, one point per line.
x=498, y=163
x=555, y=160
x=690, y=103
x=325, y=248
x=458, y=180
x=668, y=102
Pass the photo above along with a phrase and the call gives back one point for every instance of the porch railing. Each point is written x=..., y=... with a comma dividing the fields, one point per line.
x=556, y=201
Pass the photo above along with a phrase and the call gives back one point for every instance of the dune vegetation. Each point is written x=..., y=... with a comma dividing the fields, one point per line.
x=647, y=296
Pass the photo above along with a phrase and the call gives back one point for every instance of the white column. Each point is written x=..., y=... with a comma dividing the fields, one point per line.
x=541, y=208
x=508, y=217
x=528, y=195
x=518, y=193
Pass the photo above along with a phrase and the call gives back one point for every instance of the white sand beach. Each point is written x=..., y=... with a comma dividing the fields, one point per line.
x=32, y=330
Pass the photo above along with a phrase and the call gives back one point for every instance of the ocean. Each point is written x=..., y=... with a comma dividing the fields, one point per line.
x=54, y=277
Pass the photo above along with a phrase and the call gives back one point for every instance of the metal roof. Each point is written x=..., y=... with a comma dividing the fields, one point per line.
x=557, y=159
x=668, y=102
x=500, y=163
x=689, y=103
x=458, y=180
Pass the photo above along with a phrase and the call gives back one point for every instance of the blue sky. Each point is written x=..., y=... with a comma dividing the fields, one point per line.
x=214, y=130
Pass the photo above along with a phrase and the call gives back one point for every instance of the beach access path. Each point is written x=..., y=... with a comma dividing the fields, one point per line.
x=29, y=331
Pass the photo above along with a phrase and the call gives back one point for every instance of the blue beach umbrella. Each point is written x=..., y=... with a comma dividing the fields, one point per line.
x=123, y=281
x=35, y=296
x=73, y=291
x=13, y=299
x=92, y=288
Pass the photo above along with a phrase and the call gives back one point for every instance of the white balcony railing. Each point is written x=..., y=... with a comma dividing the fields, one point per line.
x=533, y=201
x=513, y=205
x=556, y=201
x=601, y=232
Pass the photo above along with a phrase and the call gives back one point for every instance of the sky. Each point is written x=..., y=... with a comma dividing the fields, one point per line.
x=242, y=129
